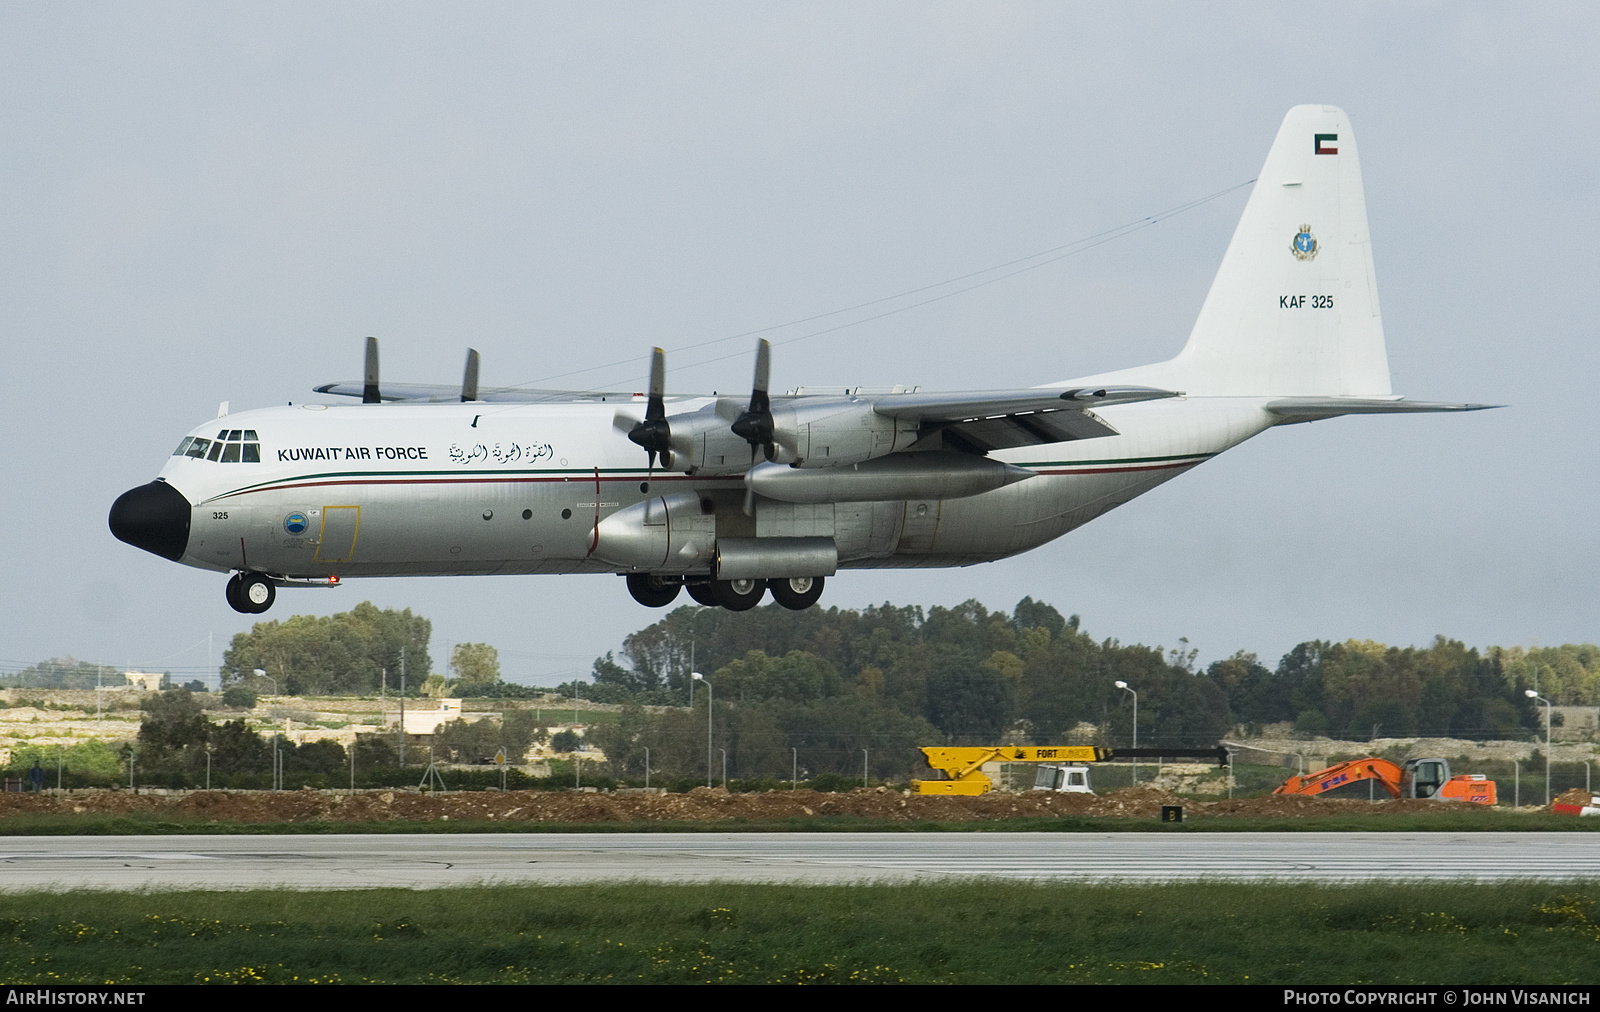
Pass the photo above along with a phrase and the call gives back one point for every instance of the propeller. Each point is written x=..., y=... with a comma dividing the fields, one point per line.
x=369, y=393
x=755, y=424
x=654, y=433
x=469, y=379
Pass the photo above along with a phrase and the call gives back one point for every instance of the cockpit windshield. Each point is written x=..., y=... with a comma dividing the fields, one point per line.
x=232, y=446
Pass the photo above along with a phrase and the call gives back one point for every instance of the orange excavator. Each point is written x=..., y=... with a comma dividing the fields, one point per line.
x=1415, y=778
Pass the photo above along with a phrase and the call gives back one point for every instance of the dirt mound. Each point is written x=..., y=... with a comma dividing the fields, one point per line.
x=702, y=804
x=1576, y=796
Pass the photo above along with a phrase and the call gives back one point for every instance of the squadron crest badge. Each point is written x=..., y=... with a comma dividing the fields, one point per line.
x=1304, y=246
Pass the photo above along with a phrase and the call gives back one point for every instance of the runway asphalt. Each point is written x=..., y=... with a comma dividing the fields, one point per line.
x=445, y=860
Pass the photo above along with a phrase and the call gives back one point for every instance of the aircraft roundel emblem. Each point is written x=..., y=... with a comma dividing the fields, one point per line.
x=1304, y=246
x=296, y=523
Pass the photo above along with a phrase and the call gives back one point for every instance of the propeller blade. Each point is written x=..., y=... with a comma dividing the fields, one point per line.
x=763, y=365
x=469, y=379
x=369, y=392
x=658, y=385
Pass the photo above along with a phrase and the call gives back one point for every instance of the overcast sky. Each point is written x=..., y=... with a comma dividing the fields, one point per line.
x=211, y=201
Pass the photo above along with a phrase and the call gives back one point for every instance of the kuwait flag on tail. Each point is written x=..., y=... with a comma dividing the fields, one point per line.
x=1324, y=144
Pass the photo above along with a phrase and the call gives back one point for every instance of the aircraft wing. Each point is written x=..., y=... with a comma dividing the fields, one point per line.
x=1000, y=419
x=433, y=393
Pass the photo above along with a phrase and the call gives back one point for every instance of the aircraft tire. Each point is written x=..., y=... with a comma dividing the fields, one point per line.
x=652, y=591
x=231, y=592
x=701, y=592
x=796, y=593
x=738, y=595
x=256, y=593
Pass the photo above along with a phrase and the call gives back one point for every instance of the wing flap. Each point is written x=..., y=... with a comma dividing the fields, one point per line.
x=1035, y=428
x=961, y=407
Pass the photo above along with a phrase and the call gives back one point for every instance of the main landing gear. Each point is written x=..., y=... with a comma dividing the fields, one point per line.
x=250, y=593
x=795, y=593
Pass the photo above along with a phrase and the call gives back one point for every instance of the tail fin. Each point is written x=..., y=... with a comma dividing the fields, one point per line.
x=1294, y=308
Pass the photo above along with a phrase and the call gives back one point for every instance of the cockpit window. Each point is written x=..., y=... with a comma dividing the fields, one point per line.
x=225, y=449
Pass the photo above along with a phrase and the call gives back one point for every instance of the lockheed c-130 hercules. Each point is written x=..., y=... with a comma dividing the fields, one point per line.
x=729, y=498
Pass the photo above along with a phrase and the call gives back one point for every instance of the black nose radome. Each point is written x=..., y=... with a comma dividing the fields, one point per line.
x=154, y=517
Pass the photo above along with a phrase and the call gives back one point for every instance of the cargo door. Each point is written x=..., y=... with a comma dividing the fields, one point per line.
x=340, y=524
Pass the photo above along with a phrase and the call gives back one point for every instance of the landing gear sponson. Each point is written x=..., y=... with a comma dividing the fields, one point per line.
x=796, y=593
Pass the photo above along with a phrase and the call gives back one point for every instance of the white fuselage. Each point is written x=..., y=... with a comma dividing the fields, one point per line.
x=452, y=489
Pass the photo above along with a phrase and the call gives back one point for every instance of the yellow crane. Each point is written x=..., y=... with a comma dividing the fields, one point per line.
x=962, y=765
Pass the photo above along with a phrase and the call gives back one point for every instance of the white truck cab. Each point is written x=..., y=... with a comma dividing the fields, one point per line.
x=1065, y=779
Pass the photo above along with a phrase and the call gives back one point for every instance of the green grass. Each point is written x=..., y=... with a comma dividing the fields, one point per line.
x=974, y=932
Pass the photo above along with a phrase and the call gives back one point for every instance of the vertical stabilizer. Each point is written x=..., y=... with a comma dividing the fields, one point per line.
x=1294, y=307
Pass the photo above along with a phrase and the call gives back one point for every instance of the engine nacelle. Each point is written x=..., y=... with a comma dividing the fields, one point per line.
x=807, y=432
x=931, y=475
x=666, y=534
x=829, y=432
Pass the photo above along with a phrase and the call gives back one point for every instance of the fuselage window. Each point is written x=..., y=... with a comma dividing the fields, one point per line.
x=250, y=436
x=230, y=453
x=252, y=451
x=233, y=434
x=183, y=446
x=222, y=436
x=198, y=447
x=216, y=451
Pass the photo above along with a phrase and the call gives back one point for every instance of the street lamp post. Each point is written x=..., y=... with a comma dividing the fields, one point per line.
x=1533, y=694
x=696, y=676
x=1124, y=687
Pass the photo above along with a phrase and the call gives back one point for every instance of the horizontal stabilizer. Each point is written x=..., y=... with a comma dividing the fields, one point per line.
x=1310, y=409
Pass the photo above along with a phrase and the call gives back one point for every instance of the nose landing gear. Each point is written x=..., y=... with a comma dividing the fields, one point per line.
x=250, y=593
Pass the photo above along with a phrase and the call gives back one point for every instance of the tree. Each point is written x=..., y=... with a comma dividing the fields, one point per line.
x=345, y=653
x=475, y=665
x=797, y=676
x=564, y=741
x=174, y=731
